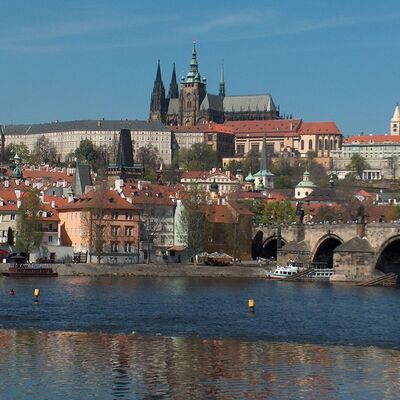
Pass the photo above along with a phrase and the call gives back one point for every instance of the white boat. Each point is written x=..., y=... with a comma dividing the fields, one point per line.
x=282, y=272
x=322, y=273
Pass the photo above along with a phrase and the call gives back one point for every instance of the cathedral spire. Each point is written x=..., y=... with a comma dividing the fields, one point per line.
x=157, y=104
x=222, y=83
x=173, y=92
x=158, y=75
x=193, y=76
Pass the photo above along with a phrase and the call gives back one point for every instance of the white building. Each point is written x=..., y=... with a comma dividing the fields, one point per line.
x=103, y=133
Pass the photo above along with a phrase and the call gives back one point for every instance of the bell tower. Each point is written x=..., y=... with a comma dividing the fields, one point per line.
x=395, y=122
x=193, y=91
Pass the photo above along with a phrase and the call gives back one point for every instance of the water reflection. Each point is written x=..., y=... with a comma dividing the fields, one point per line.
x=60, y=365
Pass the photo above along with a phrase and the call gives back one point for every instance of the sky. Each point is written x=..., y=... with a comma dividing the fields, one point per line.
x=81, y=59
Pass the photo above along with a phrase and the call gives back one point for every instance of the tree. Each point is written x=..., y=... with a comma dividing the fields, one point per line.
x=29, y=233
x=10, y=236
x=151, y=161
x=233, y=166
x=327, y=214
x=358, y=164
x=251, y=163
x=193, y=222
x=45, y=152
x=278, y=212
x=152, y=220
x=94, y=156
x=200, y=157
x=21, y=149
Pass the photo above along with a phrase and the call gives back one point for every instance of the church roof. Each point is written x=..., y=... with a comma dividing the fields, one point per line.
x=212, y=102
x=173, y=106
x=263, y=172
x=260, y=102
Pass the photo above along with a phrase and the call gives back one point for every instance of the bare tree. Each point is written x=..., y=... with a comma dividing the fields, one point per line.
x=151, y=225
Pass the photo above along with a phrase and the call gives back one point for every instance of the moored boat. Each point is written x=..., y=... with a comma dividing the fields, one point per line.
x=28, y=271
x=283, y=272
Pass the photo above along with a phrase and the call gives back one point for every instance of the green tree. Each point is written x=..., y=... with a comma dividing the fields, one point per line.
x=45, y=152
x=327, y=214
x=29, y=232
x=233, y=166
x=251, y=163
x=10, y=236
x=358, y=164
x=94, y=156
x=278, y=212
x=21, y=149
x=200, y=157
x=151, y=161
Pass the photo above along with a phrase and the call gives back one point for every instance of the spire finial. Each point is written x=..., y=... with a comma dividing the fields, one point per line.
x=222, y=82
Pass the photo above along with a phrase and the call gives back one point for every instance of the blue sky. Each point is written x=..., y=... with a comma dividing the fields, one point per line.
x=321, y=60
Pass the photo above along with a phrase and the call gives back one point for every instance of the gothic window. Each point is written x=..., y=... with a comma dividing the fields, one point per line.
x=310, y=144
x=189, y=104
x=320, y=144
x=335, y=145
x=331, y=144
x=302, y=144
x=326, y=144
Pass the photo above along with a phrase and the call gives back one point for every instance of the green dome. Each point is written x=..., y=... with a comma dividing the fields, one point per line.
x=249, y=178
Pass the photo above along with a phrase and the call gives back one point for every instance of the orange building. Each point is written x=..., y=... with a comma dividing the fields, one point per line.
x=103, y=224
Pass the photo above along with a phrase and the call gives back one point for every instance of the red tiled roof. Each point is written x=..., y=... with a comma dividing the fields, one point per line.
x=203, y=128
x=372, y=139
x=111, y=200
x=316, y=128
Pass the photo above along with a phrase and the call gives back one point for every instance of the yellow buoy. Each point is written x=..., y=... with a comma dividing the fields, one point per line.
x=252, y=304
x=36, y=292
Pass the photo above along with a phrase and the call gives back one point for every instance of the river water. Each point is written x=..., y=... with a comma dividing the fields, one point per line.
x=182, y=338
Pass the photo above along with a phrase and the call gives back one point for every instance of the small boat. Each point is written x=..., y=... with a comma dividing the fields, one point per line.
x=28, y=271
x=282, y=272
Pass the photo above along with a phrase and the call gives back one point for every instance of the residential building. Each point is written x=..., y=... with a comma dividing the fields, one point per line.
x=204, y=180
x=103, y=224
x=218, y=136
x=291, y=136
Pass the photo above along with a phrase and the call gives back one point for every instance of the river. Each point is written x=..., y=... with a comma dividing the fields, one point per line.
x=184, y=338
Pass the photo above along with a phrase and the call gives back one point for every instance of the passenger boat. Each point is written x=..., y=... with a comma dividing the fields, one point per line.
x=28, y=271
x=282, y=272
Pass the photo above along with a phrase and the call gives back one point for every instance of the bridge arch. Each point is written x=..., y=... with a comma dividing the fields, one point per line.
x=388, y=256
x=266, y=248
x=323, y=250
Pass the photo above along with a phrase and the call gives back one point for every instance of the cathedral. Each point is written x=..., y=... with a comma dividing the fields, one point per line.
x=192, y=105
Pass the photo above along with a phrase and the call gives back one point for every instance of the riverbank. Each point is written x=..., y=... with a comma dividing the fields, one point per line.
x=153, y=270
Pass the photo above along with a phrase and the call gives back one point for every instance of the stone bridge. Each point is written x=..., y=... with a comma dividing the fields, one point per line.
x=354, y=250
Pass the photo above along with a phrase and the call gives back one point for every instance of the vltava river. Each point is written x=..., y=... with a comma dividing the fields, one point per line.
x=177, y=338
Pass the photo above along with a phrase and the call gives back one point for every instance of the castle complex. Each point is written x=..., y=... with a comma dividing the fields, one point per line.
x=193, y=105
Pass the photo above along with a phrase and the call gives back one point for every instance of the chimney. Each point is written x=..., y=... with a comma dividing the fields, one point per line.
x=70, y=197
x=18, y=195
x=6, y=183
x=119, y=184
x=53, y=204
x=129, y=199
x=41, y=196
x=27, y=183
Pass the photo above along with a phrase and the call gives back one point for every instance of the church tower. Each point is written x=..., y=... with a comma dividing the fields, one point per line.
x=173, y=92
x=193, y=91
x=395, y=122
x=157, y=104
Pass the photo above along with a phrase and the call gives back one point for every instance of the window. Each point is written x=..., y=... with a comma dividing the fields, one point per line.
x=128, y=247
x=302, y=144
x=50, y=238
x=114, y=247
x=128, y=215
x=310, y=144
x=255, y=147
x=128, y=231
x=240, y=149
x=114, y=230
x=12, y=217
x=114, y=215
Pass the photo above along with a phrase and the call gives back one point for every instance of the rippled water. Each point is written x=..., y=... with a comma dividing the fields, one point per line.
x=195, y=339
x=62, y=365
